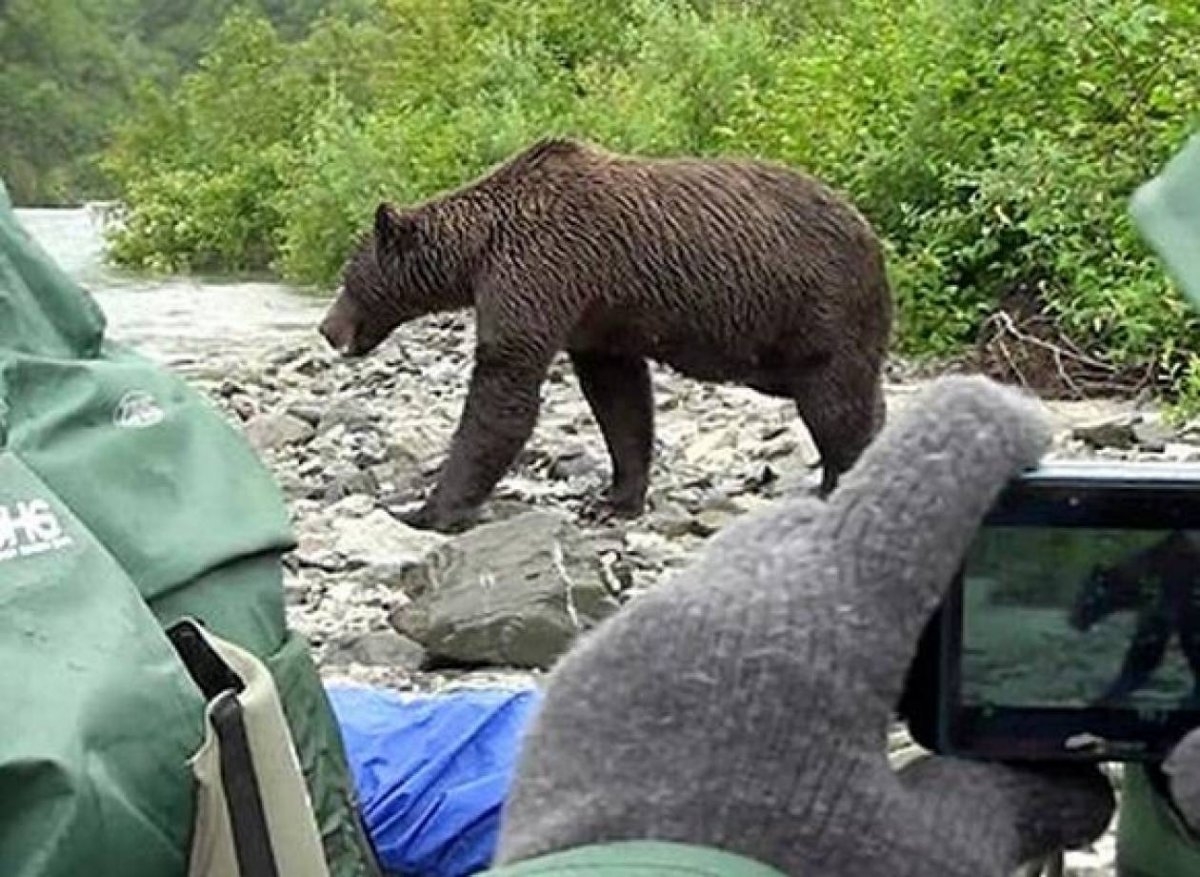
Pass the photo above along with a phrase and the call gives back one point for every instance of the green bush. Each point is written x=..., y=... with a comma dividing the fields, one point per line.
x=993, y=144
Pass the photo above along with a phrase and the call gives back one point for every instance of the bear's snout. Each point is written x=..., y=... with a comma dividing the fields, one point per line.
x=1082, y=614
x=338, y=328
x=336, y=337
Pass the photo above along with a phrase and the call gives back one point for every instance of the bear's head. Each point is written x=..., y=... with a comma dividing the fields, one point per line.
x=388, y=280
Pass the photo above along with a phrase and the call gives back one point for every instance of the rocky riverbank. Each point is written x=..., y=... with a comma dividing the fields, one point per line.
x=354, y=443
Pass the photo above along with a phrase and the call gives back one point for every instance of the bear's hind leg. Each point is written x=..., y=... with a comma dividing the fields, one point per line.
x=841, y=404
x=617, y=389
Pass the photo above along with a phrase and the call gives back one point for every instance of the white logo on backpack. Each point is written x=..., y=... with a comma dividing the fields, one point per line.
x=137, y=410
x=30, y=527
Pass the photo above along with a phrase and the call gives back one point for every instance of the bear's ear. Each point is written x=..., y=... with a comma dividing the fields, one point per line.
x=393, y=229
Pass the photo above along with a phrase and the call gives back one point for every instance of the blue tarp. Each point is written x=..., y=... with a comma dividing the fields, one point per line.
x=432, y=772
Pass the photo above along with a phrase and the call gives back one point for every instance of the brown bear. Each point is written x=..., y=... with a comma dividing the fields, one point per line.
x=726, y=270
x=1162, y=584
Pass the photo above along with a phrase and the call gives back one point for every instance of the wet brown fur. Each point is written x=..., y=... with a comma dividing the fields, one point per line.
x=726, y=270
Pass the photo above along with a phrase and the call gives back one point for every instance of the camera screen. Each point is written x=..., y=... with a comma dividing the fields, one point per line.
x=1079, y=617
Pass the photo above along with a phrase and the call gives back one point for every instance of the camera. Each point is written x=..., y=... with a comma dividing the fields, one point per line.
x=1072, y=628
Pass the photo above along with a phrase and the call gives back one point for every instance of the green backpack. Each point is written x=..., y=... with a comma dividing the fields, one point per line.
x=126, y=504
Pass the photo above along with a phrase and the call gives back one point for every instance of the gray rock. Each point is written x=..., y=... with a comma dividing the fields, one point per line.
x=407, y=577
x=513, y=593
x=367, y=449
x=1190, y=431
x=387, y=549
x=292, y=485
x=277, y=431
x=1153, y=435
x=310, y=414
x=774, y=448
x=295, y=589
x=355, y=506
x=384, y=648
x=244, y=407
x=796, y=482
x=718, y=511
x=713, y=445
x=308, y=364
x=416, y=444
x=575, y=464
x=349, y=413
x=761, y=479
x=1127, y=432
x=348, y=480
x=503, y=510
x=285, y=354
x=396, y=479
x=322, y=559
x=399, y=472
x=711, y=521
x=1117, y=433
x=230, y=388
x=672, y=521
x=310, y=467
x=618, y=572
x=1182, y=451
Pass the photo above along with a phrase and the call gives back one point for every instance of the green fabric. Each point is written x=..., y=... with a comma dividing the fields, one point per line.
x=240, y=601
x=41, y=310
x=100, y=716
x=167, y=499
x=322, y=758
x=638, y=859
x=1167, y=213
x=185, y=516
x=1152, y=840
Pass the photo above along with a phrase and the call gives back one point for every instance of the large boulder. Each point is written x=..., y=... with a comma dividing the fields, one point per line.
x=514, y=593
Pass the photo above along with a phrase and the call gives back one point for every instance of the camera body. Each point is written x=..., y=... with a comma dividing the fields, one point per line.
x=1072, y=629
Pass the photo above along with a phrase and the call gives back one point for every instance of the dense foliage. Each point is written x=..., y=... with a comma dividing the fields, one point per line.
x=71, y=69
x=993, y=143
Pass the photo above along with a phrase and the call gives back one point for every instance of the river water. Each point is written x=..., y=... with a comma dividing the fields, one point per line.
x=178, y=321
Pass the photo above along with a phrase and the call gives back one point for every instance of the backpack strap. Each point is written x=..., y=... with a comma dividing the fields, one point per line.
x=253, y=815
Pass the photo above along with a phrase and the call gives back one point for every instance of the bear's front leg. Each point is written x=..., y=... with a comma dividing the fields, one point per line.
x=1142, y=658
x=498, y=418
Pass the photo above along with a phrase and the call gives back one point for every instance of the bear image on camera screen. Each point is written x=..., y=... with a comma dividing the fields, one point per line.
x=725, y=270
x=1162, y=583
